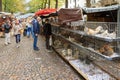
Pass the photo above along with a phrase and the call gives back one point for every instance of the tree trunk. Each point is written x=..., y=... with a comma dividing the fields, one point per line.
x=45, y=4
x=0, y=5
x=48, y=3
x=88, y=4
x=75, y=4
x=66, y=3
x=5, y=6
x=56, y=5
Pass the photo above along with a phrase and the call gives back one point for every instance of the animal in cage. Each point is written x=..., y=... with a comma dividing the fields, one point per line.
x=65, y=33
x=65, y=45
x=106, y=50
x=99, y=29
x=88, y=60
x=82, y=55
x=69, y=52
x=110, y=35
x=105, y=33
x=78, y=39
x=74, y=27
x=64, y=52
x=57, y=43
x=71, y=39
x=76, y=53
x=90, y=31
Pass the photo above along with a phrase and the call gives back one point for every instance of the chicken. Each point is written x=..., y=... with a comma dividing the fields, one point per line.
x=112, y=35
x=92, y=31
x=64, y=52
x=89, y=31
x=105, y=33
x=69, y=52
x=106, y=50
x=99, y=29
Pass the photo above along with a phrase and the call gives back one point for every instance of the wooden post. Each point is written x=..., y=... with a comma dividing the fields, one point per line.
x=66, y=3
x=118, y=22
x=118, y=28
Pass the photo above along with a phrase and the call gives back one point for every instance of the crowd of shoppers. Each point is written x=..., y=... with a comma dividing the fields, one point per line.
x=30, y=27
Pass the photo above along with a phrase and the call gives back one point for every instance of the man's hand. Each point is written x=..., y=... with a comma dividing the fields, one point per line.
x=36, y=34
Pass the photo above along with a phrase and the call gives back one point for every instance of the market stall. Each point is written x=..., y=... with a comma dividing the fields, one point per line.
x=95, y=42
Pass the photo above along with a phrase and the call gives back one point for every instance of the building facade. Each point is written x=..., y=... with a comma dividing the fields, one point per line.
x=103, y=3
x=91, y=3
x=78, y=3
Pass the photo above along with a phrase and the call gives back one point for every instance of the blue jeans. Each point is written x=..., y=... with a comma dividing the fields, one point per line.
x=17, y=38
x=35, y=42
x=32, y=33
x=28, y=32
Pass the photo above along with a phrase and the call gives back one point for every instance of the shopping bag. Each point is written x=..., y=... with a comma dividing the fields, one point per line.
x=50, y=41
x=21, y=31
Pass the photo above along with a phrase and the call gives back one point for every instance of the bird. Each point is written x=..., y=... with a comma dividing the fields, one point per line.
x=106, y=50
x=112, y=35
x=95, y=31
x=89, y=31
x=99, y=29
x=105, y=33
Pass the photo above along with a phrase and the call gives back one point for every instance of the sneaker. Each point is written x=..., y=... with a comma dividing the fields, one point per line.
x=49, y=51
x=6, y=44
x=18, y=46
x=9, y=43
x=36, y=49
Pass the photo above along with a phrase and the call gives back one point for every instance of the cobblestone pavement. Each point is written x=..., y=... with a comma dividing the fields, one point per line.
x=24, y=63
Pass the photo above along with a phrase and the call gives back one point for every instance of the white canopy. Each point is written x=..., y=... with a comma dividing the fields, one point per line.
x=101, y=9
x=25, y=15
x=5, y=13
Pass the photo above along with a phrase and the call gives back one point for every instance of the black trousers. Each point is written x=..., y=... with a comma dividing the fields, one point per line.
x=17, y=37
x=47, y=41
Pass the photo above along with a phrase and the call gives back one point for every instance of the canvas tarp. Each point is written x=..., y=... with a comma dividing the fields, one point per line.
x=69, y=15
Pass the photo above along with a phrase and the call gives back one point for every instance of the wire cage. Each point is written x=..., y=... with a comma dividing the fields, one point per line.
x=73, y=45
x=104, y=37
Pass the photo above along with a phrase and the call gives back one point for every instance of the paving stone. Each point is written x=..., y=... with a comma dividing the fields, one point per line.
x=24, y=63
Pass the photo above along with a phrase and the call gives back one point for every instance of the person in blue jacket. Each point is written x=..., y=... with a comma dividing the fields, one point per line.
x=36, y=31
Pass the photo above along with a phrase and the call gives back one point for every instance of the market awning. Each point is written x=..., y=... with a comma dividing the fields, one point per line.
x=45, y=11
x=50, y=15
